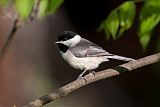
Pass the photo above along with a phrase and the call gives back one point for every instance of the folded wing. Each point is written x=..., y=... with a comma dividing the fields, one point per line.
x=88, y=49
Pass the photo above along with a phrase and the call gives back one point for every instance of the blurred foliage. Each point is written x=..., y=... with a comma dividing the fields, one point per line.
x=149, y=18
x=25, y=7
x=121, y=19
x=117, y=22
x=4, y=2
x=111, y=24
x=43, y=8
x=48, y=7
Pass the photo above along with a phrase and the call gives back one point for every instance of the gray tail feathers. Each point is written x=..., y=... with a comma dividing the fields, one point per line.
x=120, y=58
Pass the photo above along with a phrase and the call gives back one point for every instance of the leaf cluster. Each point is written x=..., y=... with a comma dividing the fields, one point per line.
x=24, y=7
x=122, y=18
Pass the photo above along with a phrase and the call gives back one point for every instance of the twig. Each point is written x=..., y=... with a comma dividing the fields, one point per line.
x=90, y=78
x=10, y=37
x=35, y=10
x=17, y=24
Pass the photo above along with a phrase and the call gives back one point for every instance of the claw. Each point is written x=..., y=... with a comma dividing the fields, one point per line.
x=80, y=77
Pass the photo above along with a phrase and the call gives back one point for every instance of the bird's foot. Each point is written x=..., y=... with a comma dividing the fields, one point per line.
x=80, y=77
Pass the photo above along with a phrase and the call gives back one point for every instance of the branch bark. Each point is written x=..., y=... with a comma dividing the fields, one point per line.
x=90, y=78
x=9, y=38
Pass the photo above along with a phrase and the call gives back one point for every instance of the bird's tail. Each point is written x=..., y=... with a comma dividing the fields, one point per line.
x=120, y=58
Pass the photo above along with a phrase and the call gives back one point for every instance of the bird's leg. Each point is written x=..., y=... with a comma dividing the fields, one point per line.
x=80, y=76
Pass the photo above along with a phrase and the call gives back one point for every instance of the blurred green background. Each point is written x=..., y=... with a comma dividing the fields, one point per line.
x=33, y=67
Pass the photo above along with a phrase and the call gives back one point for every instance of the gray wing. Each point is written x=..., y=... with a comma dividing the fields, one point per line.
x=88, y=49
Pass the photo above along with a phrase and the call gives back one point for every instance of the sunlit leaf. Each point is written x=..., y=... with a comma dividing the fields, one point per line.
x=53, y=5
x=126, y=14
x=146, y=25
x=149, y=18
x=49, y=7
x=43, y=8
x=145, y=40
x=24, y=7
x=111, y=25
x=119, y=20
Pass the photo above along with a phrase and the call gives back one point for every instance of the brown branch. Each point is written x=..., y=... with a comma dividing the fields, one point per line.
x=17, y=24
x=35, y=10
x=9, y=38
x=90, y=78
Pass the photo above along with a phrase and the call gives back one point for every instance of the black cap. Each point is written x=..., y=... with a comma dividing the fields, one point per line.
x=66, y=35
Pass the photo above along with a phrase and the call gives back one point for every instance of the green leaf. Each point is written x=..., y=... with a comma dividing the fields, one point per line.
x=53, y=5
x=148, y=24
x=144, y=40
x=149, y=8
x=48, y=7
x=126, y=13
x=149, y=19
x=119, y=20
x=43, y=8
x=111, y=25
x=24, y=7
x=4, y=2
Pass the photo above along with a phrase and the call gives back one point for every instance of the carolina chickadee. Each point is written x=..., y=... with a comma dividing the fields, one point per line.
x=83, y=54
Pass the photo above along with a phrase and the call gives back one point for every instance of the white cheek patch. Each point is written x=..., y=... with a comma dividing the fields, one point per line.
x=73, y=41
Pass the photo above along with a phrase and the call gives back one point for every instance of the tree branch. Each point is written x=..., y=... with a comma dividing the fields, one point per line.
x=90, y=78
x=35, y=10
x=9, y=38
x=17, y=24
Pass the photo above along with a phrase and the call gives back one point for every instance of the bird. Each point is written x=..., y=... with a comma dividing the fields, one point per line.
x=83, y=54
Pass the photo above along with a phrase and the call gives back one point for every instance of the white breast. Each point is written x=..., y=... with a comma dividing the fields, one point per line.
x=89, y=63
